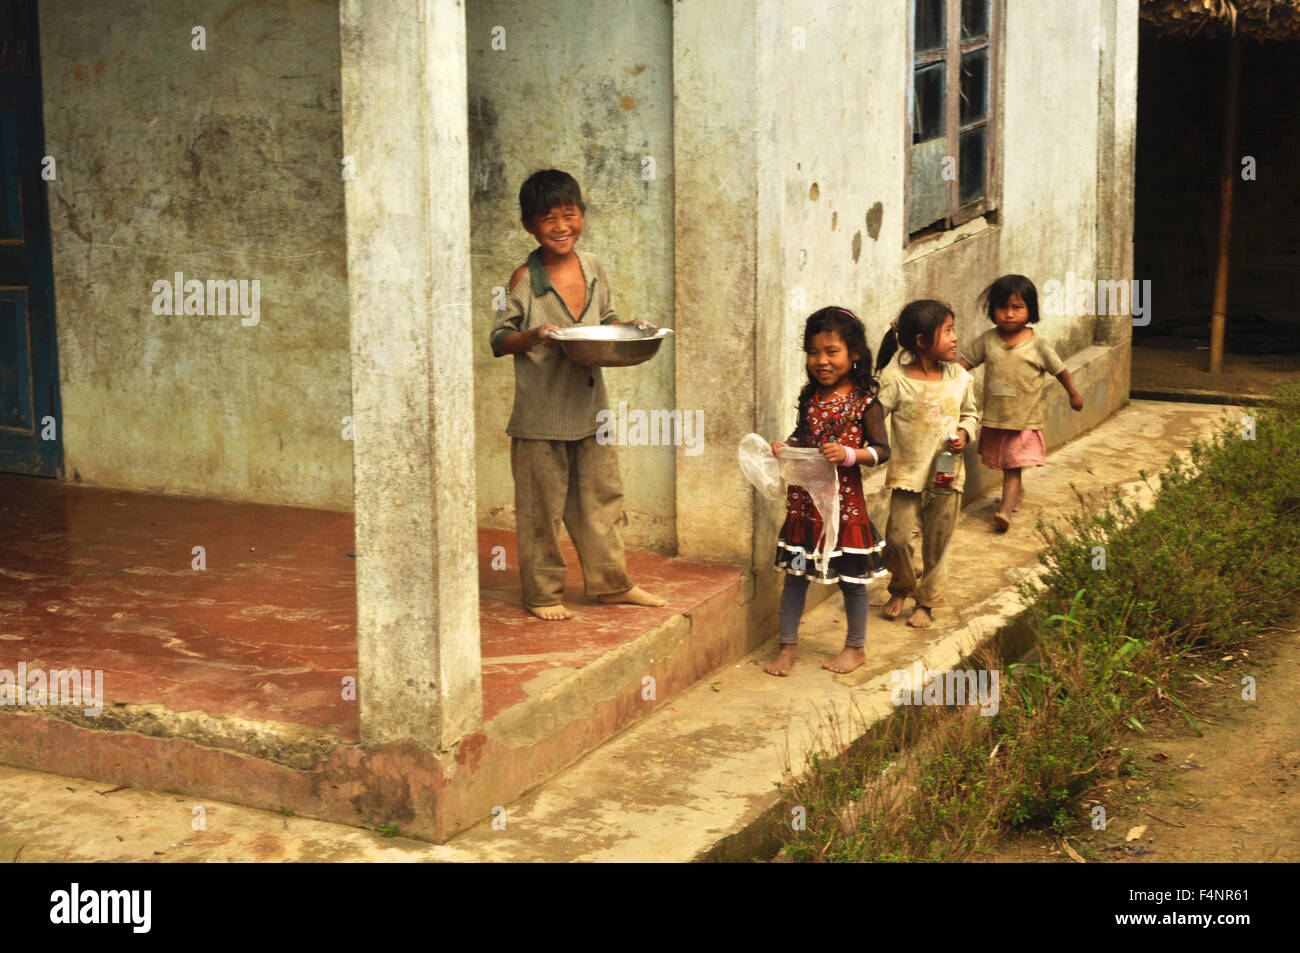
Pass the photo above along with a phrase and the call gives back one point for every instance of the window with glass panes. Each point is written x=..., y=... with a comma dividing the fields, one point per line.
x=950, y=151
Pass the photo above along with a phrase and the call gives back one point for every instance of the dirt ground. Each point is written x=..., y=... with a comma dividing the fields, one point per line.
x=1162, y=366
x=1230, y=796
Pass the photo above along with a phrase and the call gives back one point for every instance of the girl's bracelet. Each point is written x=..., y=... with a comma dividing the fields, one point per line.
x=850, y=457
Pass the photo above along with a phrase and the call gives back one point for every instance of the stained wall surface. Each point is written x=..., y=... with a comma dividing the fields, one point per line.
x=586, y=88
x=222, y=164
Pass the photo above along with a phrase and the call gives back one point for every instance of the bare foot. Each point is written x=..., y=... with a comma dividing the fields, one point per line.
x=1003, y=521
x=846, y=661
x=635, y=596
x=921, y=618
x=551, y=613
x=783, y=662
x=894, y=607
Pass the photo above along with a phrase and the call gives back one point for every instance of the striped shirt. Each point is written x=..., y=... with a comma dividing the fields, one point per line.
x=555, y=399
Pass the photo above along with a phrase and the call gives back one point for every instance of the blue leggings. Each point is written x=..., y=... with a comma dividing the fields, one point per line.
x=795, y=594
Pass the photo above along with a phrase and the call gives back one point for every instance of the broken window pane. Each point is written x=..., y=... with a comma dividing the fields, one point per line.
x=974, y=85
x=970, y=175
x=930, y=32
x=927, y=189
x=927, y=105
x=974, y=19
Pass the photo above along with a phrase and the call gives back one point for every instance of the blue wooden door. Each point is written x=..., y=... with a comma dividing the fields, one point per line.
x=31, y=427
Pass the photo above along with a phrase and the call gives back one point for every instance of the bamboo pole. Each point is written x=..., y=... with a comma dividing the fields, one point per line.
x=1219, y=320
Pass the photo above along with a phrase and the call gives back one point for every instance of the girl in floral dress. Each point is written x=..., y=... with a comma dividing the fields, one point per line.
x=839, y=414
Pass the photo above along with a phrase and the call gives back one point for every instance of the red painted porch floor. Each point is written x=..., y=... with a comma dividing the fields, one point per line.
x=102, y=579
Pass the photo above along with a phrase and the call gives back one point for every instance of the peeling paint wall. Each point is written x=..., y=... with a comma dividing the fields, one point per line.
x=586, y=88
x=722, y=325
x=1049, y=151
x=835, y=170
x=832, y=174
x=221, y=164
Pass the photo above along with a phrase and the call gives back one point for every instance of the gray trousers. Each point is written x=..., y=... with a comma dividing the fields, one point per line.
x=577, y=483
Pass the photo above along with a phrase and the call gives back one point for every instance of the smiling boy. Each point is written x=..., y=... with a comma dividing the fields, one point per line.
x=562, y=473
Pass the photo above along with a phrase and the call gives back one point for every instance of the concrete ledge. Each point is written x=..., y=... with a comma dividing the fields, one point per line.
x=428, y=796
x=294, y=746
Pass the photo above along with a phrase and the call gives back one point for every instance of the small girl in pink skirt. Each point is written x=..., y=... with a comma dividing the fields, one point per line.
x=1019, y=362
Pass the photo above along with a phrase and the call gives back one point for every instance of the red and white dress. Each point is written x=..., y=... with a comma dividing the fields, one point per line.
x=851, y=420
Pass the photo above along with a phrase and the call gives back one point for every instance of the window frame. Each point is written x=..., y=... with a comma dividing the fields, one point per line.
x=954, y=46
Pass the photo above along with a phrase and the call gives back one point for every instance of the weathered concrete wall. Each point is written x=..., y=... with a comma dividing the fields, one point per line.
x=829, y=174
x=840, y=152
x=832, y=169
x=586, y=88
x=1049, y=151
x=717, y=263
x=221, y=164
x=1116, y=158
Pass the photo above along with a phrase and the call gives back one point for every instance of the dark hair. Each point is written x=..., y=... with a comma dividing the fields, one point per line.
x=918, y=319
x=850, y=329
x=999, y=293
x=548, y=189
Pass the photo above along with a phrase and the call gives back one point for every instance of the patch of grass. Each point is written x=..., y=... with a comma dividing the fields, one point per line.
x=390, y=830
x=1195, y=577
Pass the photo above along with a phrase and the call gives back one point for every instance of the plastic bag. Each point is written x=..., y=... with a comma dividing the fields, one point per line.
x=800, y=466
x=806, y=467
x=761, y=468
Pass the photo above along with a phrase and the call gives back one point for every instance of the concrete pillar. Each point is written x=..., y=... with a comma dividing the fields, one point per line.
x=405, y=142
x=715, y=248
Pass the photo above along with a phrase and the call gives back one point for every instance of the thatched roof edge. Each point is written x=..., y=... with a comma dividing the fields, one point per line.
x=1257, y=19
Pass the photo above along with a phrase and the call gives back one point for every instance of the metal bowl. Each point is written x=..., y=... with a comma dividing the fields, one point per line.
x=611, y=345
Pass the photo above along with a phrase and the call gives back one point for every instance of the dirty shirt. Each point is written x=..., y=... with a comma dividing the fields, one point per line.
x=922, y=414
x=555, y=398
x=1014, y=378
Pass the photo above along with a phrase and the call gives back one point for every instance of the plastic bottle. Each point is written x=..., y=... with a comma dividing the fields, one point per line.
x=945, y=471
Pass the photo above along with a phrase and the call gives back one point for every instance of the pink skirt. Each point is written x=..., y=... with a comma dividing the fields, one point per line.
x=1009, y=449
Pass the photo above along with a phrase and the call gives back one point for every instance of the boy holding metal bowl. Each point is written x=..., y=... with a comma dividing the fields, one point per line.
x=562, y=472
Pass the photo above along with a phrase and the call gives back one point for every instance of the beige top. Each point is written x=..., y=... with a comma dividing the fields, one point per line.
x=923, y=414
x=555, y=399
x=1014, y=378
